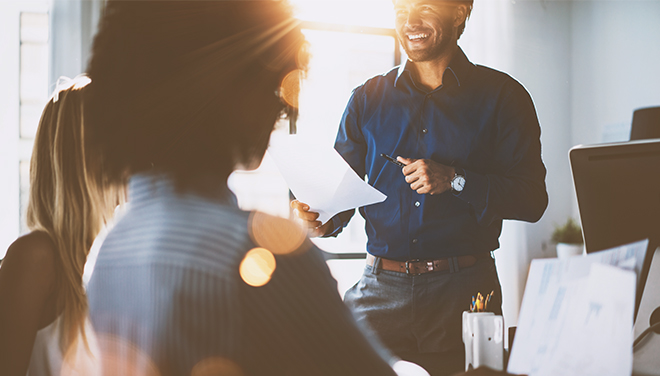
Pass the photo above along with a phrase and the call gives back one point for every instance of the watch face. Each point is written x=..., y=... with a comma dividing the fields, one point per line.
x=458, y=183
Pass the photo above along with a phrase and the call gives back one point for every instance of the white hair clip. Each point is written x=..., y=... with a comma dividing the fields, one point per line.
x=64, y=83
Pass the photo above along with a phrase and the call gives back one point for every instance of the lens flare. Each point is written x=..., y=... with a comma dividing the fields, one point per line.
x=290, y=88
x=216, y=365
x=78, y=360
x=121, y=357
x=257, y=267
x=303, y=58
x=278, y=235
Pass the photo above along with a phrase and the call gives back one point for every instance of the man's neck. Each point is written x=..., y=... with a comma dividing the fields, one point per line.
x=429, y=73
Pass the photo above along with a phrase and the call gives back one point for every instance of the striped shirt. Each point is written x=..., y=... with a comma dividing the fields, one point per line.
x=185, y=284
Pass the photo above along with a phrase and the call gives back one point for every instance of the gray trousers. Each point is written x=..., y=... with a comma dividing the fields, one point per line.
x=422, y=314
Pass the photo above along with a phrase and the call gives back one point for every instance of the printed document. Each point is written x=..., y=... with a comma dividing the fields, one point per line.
x=566, y=301
x=318, y=176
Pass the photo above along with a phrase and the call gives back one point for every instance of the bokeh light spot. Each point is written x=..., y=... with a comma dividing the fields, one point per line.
x=279, y=235
x=78, y=360
x=290, y=88
x=121, y=357
x=215, y=366
x=257, y=267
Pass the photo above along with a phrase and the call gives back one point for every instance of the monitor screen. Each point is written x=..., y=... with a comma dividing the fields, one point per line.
x=618, y=192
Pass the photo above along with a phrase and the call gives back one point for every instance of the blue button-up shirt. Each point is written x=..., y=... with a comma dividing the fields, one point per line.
x=479, y=120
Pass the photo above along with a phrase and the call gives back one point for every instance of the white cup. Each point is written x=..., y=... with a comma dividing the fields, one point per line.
x=483, y=336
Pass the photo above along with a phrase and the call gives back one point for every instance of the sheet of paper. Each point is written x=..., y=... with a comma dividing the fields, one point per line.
x=550, y=294
x=318, y=176
x=595, y=337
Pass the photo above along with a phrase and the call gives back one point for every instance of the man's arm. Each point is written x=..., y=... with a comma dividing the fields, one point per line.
x=514, y=188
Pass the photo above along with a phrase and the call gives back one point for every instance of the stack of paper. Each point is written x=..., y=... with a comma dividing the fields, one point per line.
x=577, y=315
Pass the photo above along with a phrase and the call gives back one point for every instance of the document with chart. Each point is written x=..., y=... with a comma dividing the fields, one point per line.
x=577, y=315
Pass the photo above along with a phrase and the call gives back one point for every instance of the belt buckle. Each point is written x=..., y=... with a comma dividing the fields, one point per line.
x=408, y=267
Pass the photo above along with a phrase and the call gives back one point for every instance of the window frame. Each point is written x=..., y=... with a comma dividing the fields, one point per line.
x=293, y=115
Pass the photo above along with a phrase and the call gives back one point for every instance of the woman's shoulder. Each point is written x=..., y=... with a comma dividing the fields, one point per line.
x=34, y=254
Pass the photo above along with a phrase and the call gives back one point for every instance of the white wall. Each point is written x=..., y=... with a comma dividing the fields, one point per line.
x=615, y=64
x=588, y=65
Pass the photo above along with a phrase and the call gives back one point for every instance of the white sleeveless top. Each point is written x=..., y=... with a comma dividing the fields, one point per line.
x=47, y=359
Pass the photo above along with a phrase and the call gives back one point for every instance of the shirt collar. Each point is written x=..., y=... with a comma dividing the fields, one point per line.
x=459, y=68
x=147, y=186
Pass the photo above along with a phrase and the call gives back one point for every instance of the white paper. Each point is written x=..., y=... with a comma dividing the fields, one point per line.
x=554, y=289
x=595, y=338
x=318, y=176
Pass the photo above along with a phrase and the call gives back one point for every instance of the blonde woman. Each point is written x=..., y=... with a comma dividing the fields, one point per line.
x=43, y=306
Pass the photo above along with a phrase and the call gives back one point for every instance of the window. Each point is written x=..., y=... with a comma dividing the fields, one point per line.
x=24, y=60
x=33, y=94
x=342, y=57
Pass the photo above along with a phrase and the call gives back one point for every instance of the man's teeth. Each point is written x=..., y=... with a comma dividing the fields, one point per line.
x=414, y=37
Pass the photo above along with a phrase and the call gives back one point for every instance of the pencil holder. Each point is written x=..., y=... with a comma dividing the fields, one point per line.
x=483, y=336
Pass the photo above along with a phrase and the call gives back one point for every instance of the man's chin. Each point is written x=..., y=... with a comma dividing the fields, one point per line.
x=426, y=54
x=420, y=56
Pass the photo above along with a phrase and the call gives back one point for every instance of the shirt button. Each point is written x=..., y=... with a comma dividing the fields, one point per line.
x=417, y=203
x=414, y=241
x=424, y=130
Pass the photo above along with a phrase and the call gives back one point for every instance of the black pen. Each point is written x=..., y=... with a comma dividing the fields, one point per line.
x=390, y=159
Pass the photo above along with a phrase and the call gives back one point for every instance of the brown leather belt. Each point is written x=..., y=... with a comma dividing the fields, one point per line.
x=417, y=267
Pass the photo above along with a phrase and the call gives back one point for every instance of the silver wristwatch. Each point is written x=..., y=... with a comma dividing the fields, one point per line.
x=458, y=182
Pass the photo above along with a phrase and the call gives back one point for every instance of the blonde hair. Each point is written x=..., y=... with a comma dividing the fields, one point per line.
x=70, y=200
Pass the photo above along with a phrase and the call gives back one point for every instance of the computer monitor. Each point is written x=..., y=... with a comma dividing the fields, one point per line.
x=618, y=193
x=645, y=123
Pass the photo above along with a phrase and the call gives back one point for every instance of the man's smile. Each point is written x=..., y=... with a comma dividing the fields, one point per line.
x=417, y=37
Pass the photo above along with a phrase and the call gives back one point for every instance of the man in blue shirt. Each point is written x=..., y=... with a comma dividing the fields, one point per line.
x=469, y=138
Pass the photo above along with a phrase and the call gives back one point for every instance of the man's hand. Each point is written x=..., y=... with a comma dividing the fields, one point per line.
x=308, y=219
x=427, y=176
